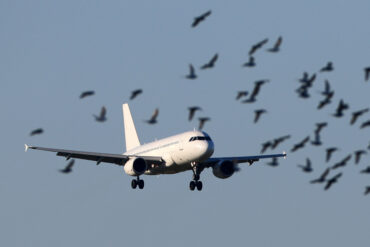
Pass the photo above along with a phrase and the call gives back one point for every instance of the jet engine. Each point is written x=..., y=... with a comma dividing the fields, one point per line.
x=135, y=166
x=224, y=169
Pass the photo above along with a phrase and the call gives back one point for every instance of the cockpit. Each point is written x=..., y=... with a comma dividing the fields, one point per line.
x=200, y=138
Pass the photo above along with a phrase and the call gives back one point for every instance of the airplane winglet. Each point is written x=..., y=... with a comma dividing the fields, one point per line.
x=284, y=153
x=26, y=147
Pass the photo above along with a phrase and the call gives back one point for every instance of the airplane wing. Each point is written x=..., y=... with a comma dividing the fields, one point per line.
x=241, y=159
x=118, y=159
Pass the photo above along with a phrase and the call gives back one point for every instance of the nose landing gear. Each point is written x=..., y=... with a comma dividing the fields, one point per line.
x=137, y=182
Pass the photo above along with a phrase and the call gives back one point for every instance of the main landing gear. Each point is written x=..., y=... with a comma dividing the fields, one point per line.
x=196, y=183
x=137, y=182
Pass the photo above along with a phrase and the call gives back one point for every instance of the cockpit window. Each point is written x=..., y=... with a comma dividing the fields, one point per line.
x=200, y=138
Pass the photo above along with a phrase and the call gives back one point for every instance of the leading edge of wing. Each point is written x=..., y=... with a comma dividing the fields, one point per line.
x=244, y=159
x=118, y=159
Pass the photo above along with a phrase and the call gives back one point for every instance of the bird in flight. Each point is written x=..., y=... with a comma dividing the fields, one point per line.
x=202, y=121
x=307, y=167
x=102, y=117
x=279, y=140
x=357, y=114
x=241, y=94
x=367, y=190
x=256, y=89
x=211, y=62
x=258, y=114
x=322, y=177
x=329, y=152
x=192, y=111
x=300, y=144
x=200, y=18
x=326, y=101
x=365, y=124
x=332, y=180
x=342, y=163
x=38, y=131
x=327, y=68
x=366, y=170
x=327, y=91
x=367, y=73
x=68, y=168
x=135, y=93
x=191, y=74
x=276, y=46
x=358, y=154
x=341, y=107
x=265, y=146
x=153, y=118
x=86, y=94
x=251, y=62
x=257, y=46
x=274, y=162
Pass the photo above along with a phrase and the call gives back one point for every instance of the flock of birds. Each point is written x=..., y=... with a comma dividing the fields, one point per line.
x=306, y=83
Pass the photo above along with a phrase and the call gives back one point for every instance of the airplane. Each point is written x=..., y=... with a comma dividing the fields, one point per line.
x=191, y=150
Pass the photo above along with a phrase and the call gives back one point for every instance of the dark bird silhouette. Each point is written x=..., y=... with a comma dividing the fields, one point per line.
x=367, y=73
x=86, y=93
x=327, y=68
x=38, y=131
x=366, y=170
x=191, y=75
x=367, y=190
x=306, y=80
x=358, y=154
x=303, y=92
x=241, y=94
x=135, y=93
x=276, y=46
x=325, y=101
x=317, y=140
x=329, y=152
x=327, y=90
x=300, y=144
x=265, y=146
x=320, y=126
x=332, y=180
x=153, y=118
x=365, y=124
x=258, y=114
x=202, y=121
x=341, y=107
x=200, y=18
x=251, y=62
x=307, y=167
x=102, y=117
x=68, y=168
x=274, y=162
x=322, y=177
x=279, y=140
x=211, y=62
x=192, y=111
x=256, y=89
x=257, y=46
x=357, y=114
x=342, y=163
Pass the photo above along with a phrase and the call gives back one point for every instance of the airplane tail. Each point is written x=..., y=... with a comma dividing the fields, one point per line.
x=131, y=138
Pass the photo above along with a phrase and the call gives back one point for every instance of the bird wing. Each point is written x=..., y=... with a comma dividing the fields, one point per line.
x=155, y=114
x=214, y=59
x=103, y=112
x=118, y=159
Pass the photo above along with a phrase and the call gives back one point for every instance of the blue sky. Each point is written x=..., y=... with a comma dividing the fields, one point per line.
x=51, y=51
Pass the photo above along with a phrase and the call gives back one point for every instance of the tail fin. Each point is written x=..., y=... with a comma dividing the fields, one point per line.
x=132, y=141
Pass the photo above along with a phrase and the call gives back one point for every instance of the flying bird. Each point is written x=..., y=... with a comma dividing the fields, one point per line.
x=329, y=152
x=256, y=89
x=257, y=46
x=241, y=94
x=279, y=140
x=322, y=177
x=135, y=93
x=327, y=68
x=191, y=75
x=341, y=107
x=192, y=111
x=357, y=114
x=332, y=180
x=317, y=140
x=327, y=90
x=276, y=46
x=68, y=168
x=325, y=101
x=274, y=162
x=342, y=163
x=153, y=118
x=366, y=170
x=38, y=131
x=211, y=63
x=202, y=121
x=367, y=73
x=358, y=155
x=200, y=18
x=320, y=126
x=102, y=117
x=265, y=146
x=367, y=190
x=303, y=92
x=86, y=94
x=300, y=144
x=258, y=114
x=250, y=63
x=365, y=124
x=307, y=167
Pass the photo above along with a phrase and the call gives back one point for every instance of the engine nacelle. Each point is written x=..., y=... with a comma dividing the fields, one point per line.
x=135, y=166
x=224, y=169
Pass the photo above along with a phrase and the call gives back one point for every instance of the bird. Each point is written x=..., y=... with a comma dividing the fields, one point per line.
x=367, y=190
x=68, y=168
x=341, y=107
x=211, y=63
x=367, y=73
x=153, y=118
x=102, y=117
x=303, y=92
x=135, y=93
x=307, y=167
x=200, y=18
x=327, y=68
x=366, y=170
x=356, y=114
x=202, y=121
x=329, y=152
x=276, y=46
x=365, y=124
x=274, y=162
x=342, y=163
x=257, y=46
x=325, y=101
x=279, y=140
x=306, y=80
x=191, y=75
x=300, y=144
x=332, y=180
x=320, y=126
x=37, y=131
x=192, y=110
x=327, y=89
x=256, y=89
x=265, y=146
x=358, y=155
x=258, y=114
x=241, y=94
x=86, y=93
x=322, y=177
x=250, y=63
x=317, y=140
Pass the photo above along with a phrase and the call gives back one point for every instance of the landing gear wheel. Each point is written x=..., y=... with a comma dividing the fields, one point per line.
x=141, y=184
x=192, y=185
x=199, y=185
x=134, y=183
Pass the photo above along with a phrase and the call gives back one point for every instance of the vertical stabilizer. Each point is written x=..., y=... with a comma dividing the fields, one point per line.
x=132, y=141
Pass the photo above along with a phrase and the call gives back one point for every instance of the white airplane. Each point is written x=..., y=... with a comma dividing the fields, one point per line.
x=190, y=150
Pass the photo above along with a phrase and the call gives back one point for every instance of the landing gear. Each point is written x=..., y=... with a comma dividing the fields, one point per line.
x=137, y=182
x=196, y=183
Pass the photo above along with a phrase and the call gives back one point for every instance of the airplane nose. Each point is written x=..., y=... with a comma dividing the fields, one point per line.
x=205, y=149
